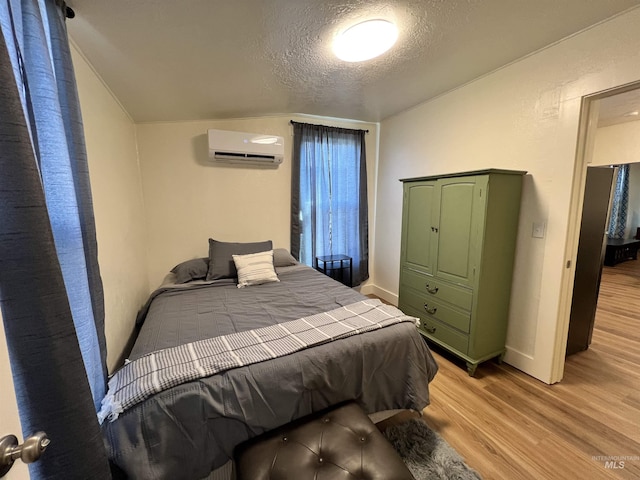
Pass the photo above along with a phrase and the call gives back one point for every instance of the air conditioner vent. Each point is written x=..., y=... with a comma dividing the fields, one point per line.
x=243, y=155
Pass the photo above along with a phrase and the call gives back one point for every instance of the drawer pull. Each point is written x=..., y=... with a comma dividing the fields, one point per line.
x=430, y=310
x=430, y=329
x=433, y=290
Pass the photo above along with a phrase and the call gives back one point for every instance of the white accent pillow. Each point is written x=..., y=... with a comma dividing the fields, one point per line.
x=255, y=268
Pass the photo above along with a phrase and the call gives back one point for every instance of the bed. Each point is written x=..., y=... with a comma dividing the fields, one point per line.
x=190, y=429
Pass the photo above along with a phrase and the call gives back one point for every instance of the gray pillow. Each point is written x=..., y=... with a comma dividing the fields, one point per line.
x=282, y=258
x=195, y=269
x=220, y=256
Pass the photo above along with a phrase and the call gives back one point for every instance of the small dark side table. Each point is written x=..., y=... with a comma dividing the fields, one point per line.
x=621, y=249
x=338, y=267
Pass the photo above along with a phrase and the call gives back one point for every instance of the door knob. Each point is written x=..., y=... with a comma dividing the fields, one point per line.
x=30, y=451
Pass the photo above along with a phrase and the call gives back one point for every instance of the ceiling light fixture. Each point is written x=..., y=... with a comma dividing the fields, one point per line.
x=632, y=114
x=365, y=40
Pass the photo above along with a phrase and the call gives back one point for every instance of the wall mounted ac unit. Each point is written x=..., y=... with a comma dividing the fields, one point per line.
x=245, y=148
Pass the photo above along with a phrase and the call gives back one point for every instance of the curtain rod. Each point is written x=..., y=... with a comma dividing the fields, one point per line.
x=293, y=121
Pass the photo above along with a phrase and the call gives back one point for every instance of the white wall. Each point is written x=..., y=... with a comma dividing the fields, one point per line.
x=618, y=145
x=189, y=200
x=524, y=116
x=118, y=206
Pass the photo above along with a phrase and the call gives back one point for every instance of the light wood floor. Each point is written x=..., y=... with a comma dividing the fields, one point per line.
x=508, y=425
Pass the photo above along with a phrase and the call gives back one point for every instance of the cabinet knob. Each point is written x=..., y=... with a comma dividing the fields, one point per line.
x=433, y=290
x=430, y=310
x=430, y=329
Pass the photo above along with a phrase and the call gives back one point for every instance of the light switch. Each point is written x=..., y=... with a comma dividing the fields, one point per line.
x=538, y=230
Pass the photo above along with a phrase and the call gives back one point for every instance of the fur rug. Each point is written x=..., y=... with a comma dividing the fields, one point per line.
x=426, y=454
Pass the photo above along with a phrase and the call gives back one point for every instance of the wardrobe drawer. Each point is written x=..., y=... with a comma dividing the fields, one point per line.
x=430, y=308
x=444, y=335
x=438, y=289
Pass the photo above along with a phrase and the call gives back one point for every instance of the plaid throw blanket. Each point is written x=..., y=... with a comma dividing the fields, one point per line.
x=138, y=380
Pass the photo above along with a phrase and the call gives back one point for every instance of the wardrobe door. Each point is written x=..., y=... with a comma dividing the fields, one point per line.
x=455, y=235
x=418, y=226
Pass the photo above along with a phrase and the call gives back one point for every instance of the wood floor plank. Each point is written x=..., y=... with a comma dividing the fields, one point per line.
x=508, y=425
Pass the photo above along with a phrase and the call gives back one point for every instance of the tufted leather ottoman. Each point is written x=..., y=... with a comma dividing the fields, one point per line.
x=341, y=443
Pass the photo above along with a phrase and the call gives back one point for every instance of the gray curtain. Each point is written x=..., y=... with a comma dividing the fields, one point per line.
x=50, y=288
x=329, y=210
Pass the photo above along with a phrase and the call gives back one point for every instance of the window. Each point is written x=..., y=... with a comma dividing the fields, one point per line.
x=329, y=196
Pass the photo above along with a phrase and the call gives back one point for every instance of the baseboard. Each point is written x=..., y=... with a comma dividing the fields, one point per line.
x=385, y=295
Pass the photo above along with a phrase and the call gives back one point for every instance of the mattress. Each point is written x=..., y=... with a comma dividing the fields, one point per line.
x=191, y=429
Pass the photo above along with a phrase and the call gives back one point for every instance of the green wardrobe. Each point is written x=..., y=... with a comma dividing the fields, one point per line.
x=456, y=260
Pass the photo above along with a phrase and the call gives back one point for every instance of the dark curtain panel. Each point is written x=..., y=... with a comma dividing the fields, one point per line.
x=79, y=167
x=59, y=145
x=329, y=211
x=46, y=291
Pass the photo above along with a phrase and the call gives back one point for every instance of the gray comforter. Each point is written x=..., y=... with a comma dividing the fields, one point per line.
x=191, y=429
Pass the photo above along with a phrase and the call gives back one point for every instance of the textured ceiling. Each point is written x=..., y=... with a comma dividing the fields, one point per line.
x=204, y=59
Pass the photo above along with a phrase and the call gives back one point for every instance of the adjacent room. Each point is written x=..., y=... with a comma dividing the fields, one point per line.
x=228, y=238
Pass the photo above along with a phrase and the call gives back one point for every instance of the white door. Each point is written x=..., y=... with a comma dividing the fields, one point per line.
x=9, y=420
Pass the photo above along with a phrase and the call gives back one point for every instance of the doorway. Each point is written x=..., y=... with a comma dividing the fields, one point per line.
x=613, y=138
